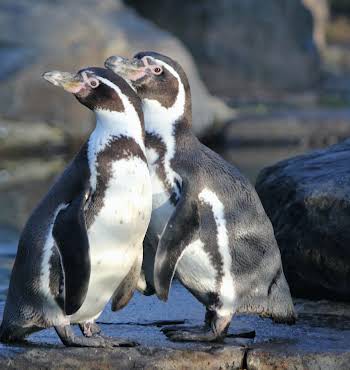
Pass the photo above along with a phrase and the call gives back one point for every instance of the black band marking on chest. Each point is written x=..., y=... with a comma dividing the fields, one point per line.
x=119, y=148
x=155, y=142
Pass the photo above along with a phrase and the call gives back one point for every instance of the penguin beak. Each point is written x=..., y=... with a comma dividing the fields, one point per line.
x=69, y=81
x=131, y=70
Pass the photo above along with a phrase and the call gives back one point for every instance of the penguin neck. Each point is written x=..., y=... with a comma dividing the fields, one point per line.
x=166, y=129
x=166, y=122
x=111, y=126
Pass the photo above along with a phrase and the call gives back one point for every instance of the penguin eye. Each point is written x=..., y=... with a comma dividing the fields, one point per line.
x=93, y=83
x=157, y=70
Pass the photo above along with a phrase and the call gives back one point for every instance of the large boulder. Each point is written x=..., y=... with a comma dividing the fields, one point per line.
x=308, y=201
x=36, y=36
x=242, y=46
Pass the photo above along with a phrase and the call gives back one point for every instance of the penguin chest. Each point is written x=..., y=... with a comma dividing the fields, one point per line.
x=117, y=233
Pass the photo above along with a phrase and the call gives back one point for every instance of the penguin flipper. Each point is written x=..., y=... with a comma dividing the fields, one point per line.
x=143, y=286
x=178, y=233
x=70, y=234
x=125, y=290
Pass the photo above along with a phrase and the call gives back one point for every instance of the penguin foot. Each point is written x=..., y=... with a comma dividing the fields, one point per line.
x=91, y=329
x=69, y=339
x=117, y=342
x=191, y=334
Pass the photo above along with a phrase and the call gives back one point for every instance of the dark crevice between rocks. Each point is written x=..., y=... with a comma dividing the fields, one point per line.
x=157, y=323
x=245, y=359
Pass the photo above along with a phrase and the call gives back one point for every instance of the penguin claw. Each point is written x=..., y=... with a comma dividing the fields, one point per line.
x=93, y=332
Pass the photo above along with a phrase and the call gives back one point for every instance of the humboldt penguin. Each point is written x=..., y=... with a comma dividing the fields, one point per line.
x=208, y=225
x=82, y=245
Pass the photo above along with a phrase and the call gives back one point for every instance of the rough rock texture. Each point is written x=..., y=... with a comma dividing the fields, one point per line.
x=167, y=359
x=23, y=183
x=308, y=201
x=312, y=128
x=125, y=358
x=243, y=45
x=36, y=36
x=270, y=358
x=20, y=138
x=255, y=141
x=319, y=340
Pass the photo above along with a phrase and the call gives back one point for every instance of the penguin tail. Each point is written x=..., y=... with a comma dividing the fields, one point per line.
x=280, y=304
x=15, y=330
x=8, y=333
x=11, y=333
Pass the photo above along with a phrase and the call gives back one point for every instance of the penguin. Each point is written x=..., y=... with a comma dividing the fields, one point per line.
x=208, y=226
x=82, y=245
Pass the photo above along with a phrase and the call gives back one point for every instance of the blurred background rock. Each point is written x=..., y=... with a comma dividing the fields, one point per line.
x=270, y=79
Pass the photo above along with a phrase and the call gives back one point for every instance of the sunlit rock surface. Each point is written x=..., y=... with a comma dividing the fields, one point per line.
x=36, y=36
x=246, y=46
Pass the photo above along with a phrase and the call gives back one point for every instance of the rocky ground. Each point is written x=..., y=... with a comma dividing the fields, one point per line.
x=319, y=340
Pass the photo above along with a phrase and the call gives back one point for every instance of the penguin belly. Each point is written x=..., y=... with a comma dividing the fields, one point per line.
x=196, y=272
x=116, y=235
x=205, y=267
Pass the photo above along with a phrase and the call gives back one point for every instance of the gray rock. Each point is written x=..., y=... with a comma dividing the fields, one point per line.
x=20, y=138
x=317, y=341
x=122, y=358
x=272, y=358
x=36, y=36
x=244, y=45
x=304, y=128
x=22, y=184
x=308, y=201
x=254, y=141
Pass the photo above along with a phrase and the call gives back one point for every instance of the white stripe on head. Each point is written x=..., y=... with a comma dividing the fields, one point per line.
x=112, y=124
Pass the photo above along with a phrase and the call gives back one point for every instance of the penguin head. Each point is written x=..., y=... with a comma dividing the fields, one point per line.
x=96, y=88
x=155, y=77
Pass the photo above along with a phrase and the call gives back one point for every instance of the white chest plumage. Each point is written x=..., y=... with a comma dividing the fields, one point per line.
x=118, y=230
x=117, y=233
